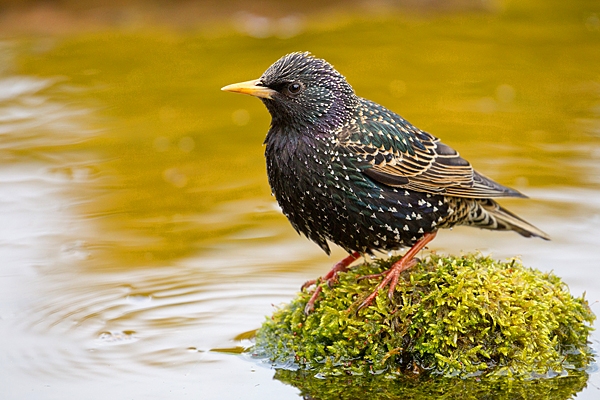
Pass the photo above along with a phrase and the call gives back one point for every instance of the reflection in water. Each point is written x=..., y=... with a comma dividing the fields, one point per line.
x=381, y=387
x=137, y=229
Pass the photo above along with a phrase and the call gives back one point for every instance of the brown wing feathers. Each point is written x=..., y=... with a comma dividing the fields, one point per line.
x=433, y=167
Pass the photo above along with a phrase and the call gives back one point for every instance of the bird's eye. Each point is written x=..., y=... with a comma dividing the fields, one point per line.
x=295, y=87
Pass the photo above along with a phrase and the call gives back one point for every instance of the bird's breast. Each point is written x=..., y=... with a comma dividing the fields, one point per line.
x=302, y=180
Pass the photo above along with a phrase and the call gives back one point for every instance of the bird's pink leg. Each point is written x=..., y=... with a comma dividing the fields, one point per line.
x=392, y=275
x=330, y=278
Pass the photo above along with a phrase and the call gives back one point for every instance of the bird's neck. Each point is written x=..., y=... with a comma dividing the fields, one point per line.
x=283, y=130
x=286, y=140
x=311, y=123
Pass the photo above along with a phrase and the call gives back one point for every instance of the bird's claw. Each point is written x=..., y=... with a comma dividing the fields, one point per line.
x=310, y=305
x=391, y=277
x=373, y=276
x=331, y=278
x=313, y=298
x=308, y=284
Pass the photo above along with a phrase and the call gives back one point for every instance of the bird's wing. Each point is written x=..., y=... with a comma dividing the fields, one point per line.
x=397, y=154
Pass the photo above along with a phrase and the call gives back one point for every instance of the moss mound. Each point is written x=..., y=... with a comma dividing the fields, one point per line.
x=463, y=316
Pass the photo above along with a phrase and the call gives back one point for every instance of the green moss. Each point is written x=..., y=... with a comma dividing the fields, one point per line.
x=462, y=316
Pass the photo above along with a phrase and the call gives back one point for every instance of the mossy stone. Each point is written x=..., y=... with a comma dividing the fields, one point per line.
x=451, y=316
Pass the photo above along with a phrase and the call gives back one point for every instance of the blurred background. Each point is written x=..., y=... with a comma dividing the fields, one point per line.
x=138, y=237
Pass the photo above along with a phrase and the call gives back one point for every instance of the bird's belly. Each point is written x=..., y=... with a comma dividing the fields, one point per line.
x=355, y=212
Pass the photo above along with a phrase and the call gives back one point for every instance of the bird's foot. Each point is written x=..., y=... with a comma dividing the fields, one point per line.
x=373, y=276
x=308, y=284
x=330, y=278
x=391, y=277
x=384, y=273
x=310, y=305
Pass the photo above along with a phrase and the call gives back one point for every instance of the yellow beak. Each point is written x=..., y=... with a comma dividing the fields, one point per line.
x=250, y=87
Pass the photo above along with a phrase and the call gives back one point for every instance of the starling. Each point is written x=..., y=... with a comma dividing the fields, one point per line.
x=347, y=170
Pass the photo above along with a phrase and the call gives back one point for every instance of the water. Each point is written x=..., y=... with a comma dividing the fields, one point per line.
x=137, y=230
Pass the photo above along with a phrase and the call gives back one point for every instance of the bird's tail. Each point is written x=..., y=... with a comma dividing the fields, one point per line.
x=488, y=214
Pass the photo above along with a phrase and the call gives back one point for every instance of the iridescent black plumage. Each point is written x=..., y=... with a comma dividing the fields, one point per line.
x=347, y=170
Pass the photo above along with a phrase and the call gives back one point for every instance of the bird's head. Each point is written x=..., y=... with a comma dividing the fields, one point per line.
x=302, y=91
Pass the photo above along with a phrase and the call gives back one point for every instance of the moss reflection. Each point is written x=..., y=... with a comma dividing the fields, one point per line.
x=382, y=387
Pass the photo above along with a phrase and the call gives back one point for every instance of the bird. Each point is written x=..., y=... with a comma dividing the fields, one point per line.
x=349, y=171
